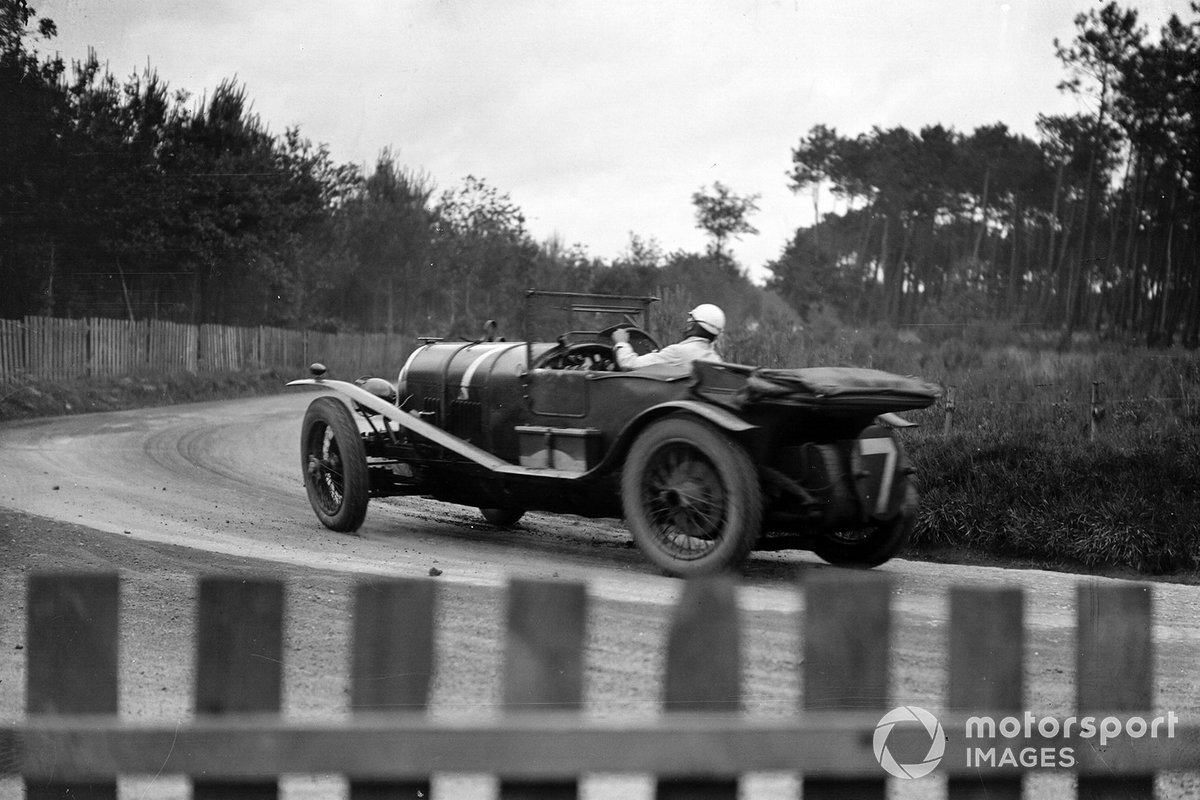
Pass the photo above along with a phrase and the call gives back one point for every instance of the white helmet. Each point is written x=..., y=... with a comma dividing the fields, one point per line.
x=709, y=317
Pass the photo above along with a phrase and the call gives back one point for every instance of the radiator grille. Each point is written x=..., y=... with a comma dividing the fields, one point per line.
x=466, y=419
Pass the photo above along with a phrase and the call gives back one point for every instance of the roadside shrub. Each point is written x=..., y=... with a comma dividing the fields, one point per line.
x=1024, y=495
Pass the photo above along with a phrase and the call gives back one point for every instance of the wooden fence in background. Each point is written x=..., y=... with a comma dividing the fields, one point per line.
x=73, y=743
x=65, y=349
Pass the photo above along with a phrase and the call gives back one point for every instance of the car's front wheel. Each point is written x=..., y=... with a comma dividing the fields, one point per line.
x=691, y=497
x=334, y=464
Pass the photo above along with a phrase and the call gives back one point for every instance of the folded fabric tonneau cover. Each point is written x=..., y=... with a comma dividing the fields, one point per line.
x=853, y=388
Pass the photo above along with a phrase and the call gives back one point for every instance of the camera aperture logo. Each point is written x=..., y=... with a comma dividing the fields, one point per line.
x=903, y=715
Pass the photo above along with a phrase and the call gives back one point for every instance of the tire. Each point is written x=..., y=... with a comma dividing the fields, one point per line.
x=502, y=517
x=334, y=464
x=873, y=545
x=691, y=497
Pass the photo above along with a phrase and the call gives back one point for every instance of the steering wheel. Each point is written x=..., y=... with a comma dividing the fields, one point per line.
x=593, y=356
x=639, y=340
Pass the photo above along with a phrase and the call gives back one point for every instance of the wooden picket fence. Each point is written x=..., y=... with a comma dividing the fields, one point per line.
x=64, y=349
x=73, y=743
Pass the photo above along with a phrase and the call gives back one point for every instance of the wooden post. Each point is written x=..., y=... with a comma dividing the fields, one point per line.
x=845, y=643
x=1097, y=412
x=948, y=420
x=543, y=665
x=391, y=663
x=1114, y=670
x=239, y=664
x=703, y=671
x=71, y=666
x=987, y=643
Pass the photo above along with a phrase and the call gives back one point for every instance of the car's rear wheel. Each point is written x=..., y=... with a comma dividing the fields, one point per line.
x=334, y=464
x=691, y=497
x=502, y=517
x=871, y=545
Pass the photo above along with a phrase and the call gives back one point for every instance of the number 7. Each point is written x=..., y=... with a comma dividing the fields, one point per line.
x=882, y=446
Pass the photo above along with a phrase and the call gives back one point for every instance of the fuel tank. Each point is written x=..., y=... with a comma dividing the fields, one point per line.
x=473, y=390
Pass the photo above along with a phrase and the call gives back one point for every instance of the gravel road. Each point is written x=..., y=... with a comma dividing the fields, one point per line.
x=166, y=494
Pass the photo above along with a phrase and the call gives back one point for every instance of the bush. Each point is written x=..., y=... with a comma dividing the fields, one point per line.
x=1025, y=495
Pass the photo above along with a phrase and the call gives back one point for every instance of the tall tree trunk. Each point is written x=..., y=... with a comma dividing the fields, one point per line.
x=928, y=266
x=1164, y=332
x=882, y=267
x=897, y=302
x=987, y=178
x=1191, y=320
x=864, y=242
x=1191, y=271
x=1051, y=265
x=816, y=198
x=860, y=254
x=1078, y=270
x=1062, y=271
x=1081, y=269
x=1014, y=264
x=1128, y=320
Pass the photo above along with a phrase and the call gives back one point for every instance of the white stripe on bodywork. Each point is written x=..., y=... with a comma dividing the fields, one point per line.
x=492, y=352
x=400, y=387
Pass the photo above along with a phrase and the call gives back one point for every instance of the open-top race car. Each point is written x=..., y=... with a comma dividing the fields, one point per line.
x=704, y=463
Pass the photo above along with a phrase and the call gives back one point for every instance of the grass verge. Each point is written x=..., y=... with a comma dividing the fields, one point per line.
x=45, y=398
x=1088, y=505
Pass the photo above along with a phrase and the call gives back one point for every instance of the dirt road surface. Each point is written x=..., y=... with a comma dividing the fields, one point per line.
x=165, y=495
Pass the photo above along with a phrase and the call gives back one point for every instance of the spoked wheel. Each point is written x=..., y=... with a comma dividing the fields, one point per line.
x=334, y=464
x=691, y=497
x=870, y=546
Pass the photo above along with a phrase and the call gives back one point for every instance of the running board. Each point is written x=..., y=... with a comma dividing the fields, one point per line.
x=433, y=433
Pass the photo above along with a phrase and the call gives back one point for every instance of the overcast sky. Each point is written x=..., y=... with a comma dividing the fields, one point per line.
x=601, y=118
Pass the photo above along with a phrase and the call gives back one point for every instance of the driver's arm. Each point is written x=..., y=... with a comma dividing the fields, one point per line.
x=627, y=359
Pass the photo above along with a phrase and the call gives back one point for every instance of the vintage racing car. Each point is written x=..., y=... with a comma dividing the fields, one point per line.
x=705, y=463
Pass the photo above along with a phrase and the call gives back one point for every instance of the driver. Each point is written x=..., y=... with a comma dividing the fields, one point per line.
x=704, y=324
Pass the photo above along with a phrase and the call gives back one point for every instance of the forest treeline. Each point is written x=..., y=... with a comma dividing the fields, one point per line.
x=1094, y=223
x=127, y=198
